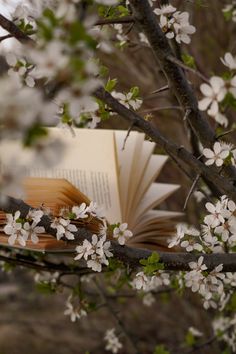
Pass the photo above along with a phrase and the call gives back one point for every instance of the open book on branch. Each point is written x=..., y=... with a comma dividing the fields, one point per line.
x=95, y=167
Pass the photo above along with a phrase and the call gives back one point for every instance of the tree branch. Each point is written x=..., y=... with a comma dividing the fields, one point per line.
x=10, y=27
x=112, y=21
x=147, y=20
x=131, y=256
x=223, y=185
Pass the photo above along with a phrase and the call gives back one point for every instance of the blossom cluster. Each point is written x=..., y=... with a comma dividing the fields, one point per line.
x=149, y=284
x=175, y=24
x=112, y=341
x=217, y=90
x=63, y=224
x=218, y=230
x=20, y=230
x=217, y=234
x=95, y=253
x=230, y=11
x=225, y=328
x=75, y=311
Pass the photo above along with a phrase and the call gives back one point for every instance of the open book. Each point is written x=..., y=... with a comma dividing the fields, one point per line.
x=96, y=167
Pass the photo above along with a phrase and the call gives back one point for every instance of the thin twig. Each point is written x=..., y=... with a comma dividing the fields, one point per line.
x=191, y=191
x=161, y=109
x=203, y=345
x=187, y=68
x=127, y=135
x=10, y=27
x=225, y=133
x=116, y=317
x=112, y=21
x=5, y=37
x=222, y=184
x=161, y=89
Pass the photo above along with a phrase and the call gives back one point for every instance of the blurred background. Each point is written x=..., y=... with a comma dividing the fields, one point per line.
x=34, y=323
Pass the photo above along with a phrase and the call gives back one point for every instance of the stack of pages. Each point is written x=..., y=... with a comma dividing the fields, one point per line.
x=96, y=166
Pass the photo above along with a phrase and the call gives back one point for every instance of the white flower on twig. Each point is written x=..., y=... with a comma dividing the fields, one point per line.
x=214, y=93
x=229, y=61
x=128, y=100
x=75, y=312
x=14, y=229
x=33, y=230
x=64, y=228
x=80, y=211
x=122, y=234
x=217, y=155
x=112, y=341
x=95, y=253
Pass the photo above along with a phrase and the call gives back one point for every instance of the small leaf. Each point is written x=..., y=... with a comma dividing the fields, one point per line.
x=190, y=339
x=110, y=85
x=160, y=349
x=189, y=60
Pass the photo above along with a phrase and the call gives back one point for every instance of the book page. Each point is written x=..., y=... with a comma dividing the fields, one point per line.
x=125, y=160
x=89, y=163
x=154, y=217
x=155, y=194
x=151, y=171
x=141, y=159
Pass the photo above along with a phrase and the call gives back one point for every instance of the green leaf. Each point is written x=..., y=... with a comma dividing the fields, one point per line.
x=189, y=339
x=231, y=306
x=34, y=133
x=188, y=60
x=160, y=349
x=135, y=91
x=229, y=101
x=123, y=10
x=78, y=33
x=228, y=15
x=8, y=267
x=111, y=83
x=46, y=288
x=152, y=264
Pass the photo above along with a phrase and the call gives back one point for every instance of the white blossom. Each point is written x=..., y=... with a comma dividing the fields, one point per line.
x=229, y=61
x=198, y=266
x=49, y=61
x=128, y=100
x=180, y=233
x=195, y=332
x=80, y=211
x=148, y=299
x=175, y=24
x=122, y=234
x=164, y=10
x=217, y=155
x=140, y=281
x=112, y=341
x=46, y=277
x=33, y=230
x=191, y=245
x=95, y=210
x=214, y=93
x=14, y=229
x=75, y=312
x=182, y=27
x=95, y=253
x=64, y=228
x=35, y=215
x=182, y=230
x=121, y=37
